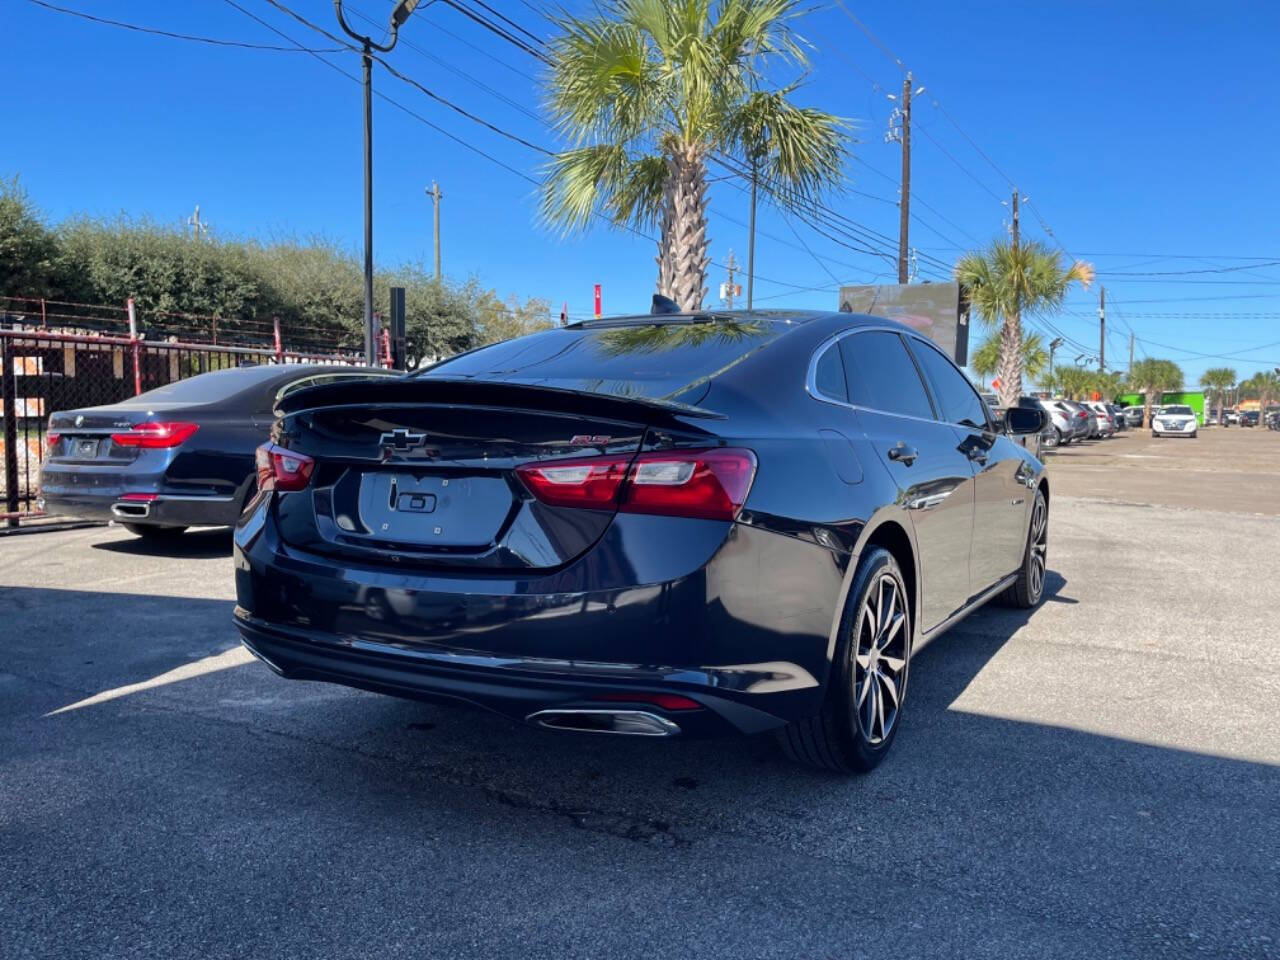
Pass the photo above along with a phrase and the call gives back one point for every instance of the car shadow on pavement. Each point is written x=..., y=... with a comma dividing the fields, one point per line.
x=204, y=543
x=981, y=819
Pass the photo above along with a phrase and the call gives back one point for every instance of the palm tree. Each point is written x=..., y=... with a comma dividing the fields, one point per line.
x=1217, y=381
x=1075, y=382
x=1267, y=387
x=1151, y=378
x=986, y=359
x=646, y=91
x=1005, y=282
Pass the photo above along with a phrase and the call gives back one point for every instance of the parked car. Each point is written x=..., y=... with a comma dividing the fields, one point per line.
x=1175, y=420
x=1248, y=418
x=1106, y=425
x=1084, y=423
x=1065, y=429
x=1117, y=417
x=642, y=529
x=1232, y=416
x=1132, y=416
x=178, y=456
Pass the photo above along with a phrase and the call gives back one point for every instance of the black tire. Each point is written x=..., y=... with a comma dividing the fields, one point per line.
x=844, y=737
x=153, y=531
x=1027, y=591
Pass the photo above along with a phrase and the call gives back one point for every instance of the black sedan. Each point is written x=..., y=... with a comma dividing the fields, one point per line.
x=178, y=456
x=689, y=524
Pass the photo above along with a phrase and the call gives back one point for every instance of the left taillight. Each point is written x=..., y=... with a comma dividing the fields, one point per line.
x=282, y=469
x=51, y=442
x=152, y=435
x=704, y=484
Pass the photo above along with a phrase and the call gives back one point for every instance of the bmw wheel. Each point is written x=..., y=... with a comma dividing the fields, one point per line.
x=1026, y=591
x=868, y=682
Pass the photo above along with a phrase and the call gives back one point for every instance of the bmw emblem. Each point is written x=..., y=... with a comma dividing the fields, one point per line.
x=80, y=420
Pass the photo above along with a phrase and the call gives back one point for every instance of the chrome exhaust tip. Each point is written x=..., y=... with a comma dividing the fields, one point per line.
x=130, y=511
x=632, y=723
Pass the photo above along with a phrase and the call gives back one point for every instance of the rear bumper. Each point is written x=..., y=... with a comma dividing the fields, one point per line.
x=516, y=688
x=165, y=510
x=745, y=630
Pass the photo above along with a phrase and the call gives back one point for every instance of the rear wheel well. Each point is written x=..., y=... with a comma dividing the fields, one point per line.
x=894, y=538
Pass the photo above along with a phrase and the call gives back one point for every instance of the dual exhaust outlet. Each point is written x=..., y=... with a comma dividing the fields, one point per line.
x=633, y=723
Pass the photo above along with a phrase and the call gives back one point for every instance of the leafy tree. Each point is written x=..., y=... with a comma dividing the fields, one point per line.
x=28, y=250
x=1217, y=381
x=646, y=91
x=986, y=359
x=1152, y=378
x=1005, y=283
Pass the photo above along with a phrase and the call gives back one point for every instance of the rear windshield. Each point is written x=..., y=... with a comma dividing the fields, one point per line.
x=658, y=361
x=212, y=387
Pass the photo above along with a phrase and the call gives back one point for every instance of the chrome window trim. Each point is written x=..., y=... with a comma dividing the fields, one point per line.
x=811, y=379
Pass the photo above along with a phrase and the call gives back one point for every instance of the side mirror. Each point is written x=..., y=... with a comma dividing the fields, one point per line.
x=1023, y=420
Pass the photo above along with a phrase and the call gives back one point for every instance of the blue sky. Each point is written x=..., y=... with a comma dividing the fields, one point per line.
x=1143, y=133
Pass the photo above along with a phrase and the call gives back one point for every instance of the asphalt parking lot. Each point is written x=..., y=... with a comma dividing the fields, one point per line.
x=1097, y=779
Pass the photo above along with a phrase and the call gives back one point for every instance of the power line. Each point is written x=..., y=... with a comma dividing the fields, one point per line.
x=1181, y=273
x=155, y=31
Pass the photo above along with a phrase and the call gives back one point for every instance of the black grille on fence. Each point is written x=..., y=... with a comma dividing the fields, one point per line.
x=45, y=371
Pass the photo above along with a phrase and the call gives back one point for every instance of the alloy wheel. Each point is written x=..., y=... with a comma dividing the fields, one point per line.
x=1039, y=546
x=880, y=664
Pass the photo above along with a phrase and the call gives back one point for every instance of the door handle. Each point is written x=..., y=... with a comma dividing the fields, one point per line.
x=903, y=454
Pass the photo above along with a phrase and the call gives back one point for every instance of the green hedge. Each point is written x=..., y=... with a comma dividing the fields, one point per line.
x=315, y=287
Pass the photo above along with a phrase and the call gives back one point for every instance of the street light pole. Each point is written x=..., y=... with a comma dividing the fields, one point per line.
x=398, y=16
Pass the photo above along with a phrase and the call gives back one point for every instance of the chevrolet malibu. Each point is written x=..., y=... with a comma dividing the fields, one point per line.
x=657, y=526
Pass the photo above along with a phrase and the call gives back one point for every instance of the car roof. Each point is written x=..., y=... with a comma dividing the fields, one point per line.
x=786, y=317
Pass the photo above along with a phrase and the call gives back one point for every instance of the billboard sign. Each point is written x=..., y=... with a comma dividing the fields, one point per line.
x=935, y=309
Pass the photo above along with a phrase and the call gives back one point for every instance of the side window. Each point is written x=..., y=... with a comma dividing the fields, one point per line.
x=828, y=376
x=882, y=376
x=957, y=400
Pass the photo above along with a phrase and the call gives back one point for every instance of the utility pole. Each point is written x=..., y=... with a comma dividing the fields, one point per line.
x=367, y=45
x=1054, y=344
x=1130, y=349
x=435, y=195
x=751, y=240
x=1102, y=329
x=904, y=203
x=727, y=290
x=196, y=224
x=1015, y=221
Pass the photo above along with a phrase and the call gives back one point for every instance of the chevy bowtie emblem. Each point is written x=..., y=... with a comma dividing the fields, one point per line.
x=402, y=439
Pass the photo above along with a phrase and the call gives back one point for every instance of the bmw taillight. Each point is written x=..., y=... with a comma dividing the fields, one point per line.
x=152, y=435
x=282, y=469
x=707, y=484
x=51, y=442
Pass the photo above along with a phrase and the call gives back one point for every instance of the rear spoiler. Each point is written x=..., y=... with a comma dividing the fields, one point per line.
x=488, y=393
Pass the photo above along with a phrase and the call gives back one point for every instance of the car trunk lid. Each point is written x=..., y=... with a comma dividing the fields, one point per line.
x=426, y=470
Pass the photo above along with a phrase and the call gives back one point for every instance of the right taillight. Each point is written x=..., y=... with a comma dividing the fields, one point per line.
x=282, y=469
x=707, y=484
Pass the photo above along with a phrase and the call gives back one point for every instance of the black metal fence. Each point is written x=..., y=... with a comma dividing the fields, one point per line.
x=49, y=364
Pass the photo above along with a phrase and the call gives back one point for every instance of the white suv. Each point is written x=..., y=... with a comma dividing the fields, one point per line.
x=1178, y=420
